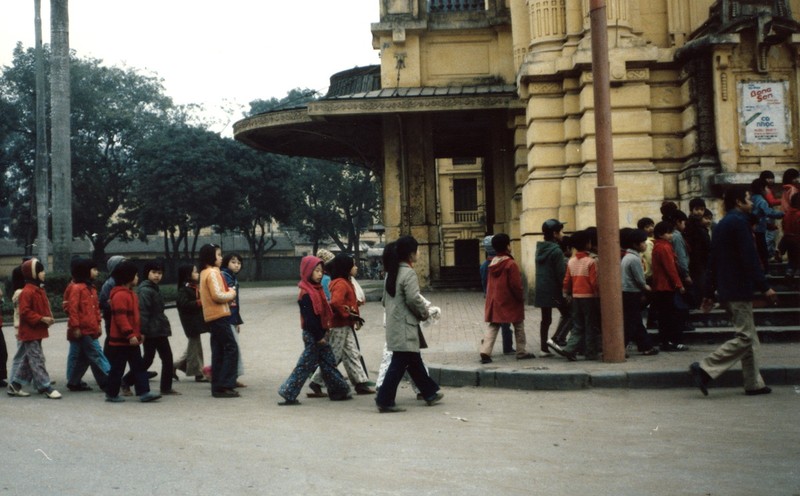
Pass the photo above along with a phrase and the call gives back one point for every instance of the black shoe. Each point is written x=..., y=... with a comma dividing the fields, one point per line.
x=526, y=356
x=79, y=387
x=509, y=351
x=316, y=391
x=341, y=398
x=225, y=393
x=755, y=392
x=436, y=398
x=700, y=377
x=288, y=403
x=390, y=409
x=485, y=358
x=150, y=374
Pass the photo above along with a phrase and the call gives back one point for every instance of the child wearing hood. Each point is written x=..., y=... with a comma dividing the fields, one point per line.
x=315, y=319
x=505, y=301
x=550, y=268
x=35, y=318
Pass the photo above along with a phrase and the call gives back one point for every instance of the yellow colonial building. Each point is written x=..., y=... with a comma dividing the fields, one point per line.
x=480, y=117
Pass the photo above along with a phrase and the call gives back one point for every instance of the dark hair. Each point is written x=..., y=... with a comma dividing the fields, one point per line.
x=184, y=275
x=667, y=209
x=731, y=197
x=500, y=242
x=644, y=222
x=757, y=186
x=789, y=175
x=580, y=239
x=696, y=203
x=150, y=266
x=592, y=233
x=124, y=272
x=207, y=257
x=17, y=278
x=708, y=214
x=633, y=238
x=663, y=228
x=767, y=174
x=82, y=270
x=230, y=256
x=340, y=266
x=402, y=250
x=566, y=243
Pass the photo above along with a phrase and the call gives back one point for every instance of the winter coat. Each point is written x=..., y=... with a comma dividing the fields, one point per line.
x=125, y=322
x=791, y=214
x=190, y=311
x=665, y=267
x=232, y=282
x=215, y=294
x=343, y=294
x=551, y=266
x=33, y=305
x=505, y=301
x=153, y=321
x=735, y=269
x=580, y=278
x=83, y=309
x=699, y=241
x=762, y=210
x=404, y=311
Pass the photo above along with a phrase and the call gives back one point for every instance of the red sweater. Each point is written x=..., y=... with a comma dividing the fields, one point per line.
x=83, y=309
x=342, y=294
x=665, y=267
x=33, y=305
x=124, y=317
x=580, y=280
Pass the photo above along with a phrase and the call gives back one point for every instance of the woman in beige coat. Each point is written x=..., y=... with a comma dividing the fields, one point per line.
x=405, y=308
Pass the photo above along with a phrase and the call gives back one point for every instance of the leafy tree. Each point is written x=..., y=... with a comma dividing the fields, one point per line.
x=258, y=193
x=179, y=187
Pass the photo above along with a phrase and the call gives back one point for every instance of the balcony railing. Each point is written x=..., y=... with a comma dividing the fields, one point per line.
x=468, y=216
x=456, y=5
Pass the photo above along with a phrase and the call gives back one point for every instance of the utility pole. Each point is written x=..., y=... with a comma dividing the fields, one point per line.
x=606, y=195
x=42, y=164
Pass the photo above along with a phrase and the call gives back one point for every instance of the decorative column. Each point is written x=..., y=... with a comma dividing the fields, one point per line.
x=548, y=23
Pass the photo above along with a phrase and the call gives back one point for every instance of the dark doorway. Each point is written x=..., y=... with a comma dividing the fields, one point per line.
x=467, y=252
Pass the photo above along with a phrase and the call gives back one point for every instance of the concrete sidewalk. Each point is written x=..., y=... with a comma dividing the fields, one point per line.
x=453, y=356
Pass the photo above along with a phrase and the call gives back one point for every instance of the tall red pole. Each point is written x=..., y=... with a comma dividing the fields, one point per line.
x=606, y=197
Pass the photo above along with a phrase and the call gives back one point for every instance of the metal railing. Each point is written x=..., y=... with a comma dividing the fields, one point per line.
x=468, y=216
x=456, y=5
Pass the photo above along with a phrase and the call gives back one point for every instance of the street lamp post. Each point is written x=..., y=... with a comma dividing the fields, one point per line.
x=606, y=195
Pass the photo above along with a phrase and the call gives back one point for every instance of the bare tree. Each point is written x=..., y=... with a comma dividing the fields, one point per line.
x=60, y=146
x=42, y=162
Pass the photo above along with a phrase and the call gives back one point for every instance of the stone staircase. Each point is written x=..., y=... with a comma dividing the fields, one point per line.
x=458, y=279
x=779, y=323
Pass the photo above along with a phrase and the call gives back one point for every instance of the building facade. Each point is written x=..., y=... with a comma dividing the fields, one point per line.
x=703, y=94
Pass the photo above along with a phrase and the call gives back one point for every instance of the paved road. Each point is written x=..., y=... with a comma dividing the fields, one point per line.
x=477, y=441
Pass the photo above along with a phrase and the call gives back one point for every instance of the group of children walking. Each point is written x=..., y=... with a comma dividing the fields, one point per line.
x=136, y=326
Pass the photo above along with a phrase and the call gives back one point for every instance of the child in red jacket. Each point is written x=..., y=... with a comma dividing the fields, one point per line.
x=83, y=327
x=35, y=318
x=666, y=283
x=582, y=289
x=125, y=335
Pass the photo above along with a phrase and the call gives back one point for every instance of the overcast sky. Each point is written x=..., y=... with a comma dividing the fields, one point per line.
x=210, y=51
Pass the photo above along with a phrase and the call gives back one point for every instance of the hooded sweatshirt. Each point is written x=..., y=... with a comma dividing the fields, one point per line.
x=550, y=268
x=504, y=296
x=81, y=303
x=125, y=317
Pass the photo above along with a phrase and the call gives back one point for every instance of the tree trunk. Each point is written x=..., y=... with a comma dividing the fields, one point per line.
x=61, y=153
x=42, y=165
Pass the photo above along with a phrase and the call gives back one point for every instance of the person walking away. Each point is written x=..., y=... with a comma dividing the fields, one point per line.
x=35, y=318
x=505, y=301
x=505, y=328
x=190, y=312
x=550, y=269
x=315, y=321
x=215, y=298
x=736, y=274
x=125, y=336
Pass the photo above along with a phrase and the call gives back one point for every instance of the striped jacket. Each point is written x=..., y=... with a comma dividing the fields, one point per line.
x=580, y=280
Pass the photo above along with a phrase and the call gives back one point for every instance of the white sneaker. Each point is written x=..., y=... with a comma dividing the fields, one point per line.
x=52, y=394
x=14, y=391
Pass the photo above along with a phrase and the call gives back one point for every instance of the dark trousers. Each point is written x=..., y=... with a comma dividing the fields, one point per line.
x=403, y=361
x=508, y=338
x=670, y=320
x=224, y=355
x=632, y=318
x=118, y=356
x=152, y=345
x=3, y=357
x=761, y=249
x=547, y=320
